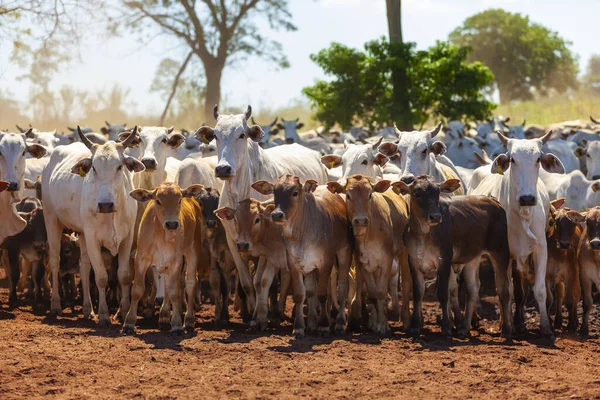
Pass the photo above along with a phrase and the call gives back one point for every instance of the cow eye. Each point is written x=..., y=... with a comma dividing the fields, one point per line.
x=539, y=160
x=242, y=136
x=257, y=220
x=164, y=140
x=158, y=202
x=24, y=152
x=370, y=196
x=512, y=160
x=588, y=156
x=365, y=162
x=424, y=153
x=94, y=169
x=295, y=194
x=119, y=167
x=179, y=201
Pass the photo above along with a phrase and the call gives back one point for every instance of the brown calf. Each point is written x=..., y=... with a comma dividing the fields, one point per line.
x=317, y=235
x=588, y=254
x=170, y=230
x=259, y=236
x=563, y=234
x=445, y=232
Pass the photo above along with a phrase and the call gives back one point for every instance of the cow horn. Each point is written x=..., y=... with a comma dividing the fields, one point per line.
x=20, y=129
x=107, y=124
x=253, y=121
x=297, y=119
x=274, y=122
x=502, y=138
x=546, y=137
x=216, y=111
x=524, y=122
x=397, y=131
x=130, y=138
x=248, y=112
x=29, y=133
x=436, y=130
x=376, y=145
x=597, y=122
x=88, y=143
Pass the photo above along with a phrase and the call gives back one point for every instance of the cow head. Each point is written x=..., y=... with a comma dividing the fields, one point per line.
x=358, y=159
x=209, y=202
x=154, y=145
x=38, y=227
x=591, y=152
x=208, y=149
x=251, y=218
x=104, y=170
x=191, y=143
x=113, y=131
x=231, y=134
x=290, y=129
x=13, y=148
x=416, y=151
x=462, y=152
x=425, y=197
x=592, y=224
x=523, y=161
x=269, y=130
x=166, y=202
x=359, y=193
x=514, y=131
x=288, y=195
x=562, y=224
x=48, y=140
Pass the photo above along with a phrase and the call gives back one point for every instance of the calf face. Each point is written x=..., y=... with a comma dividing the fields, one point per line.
x=287, y=192
x=154, y=144
x=425, y=197
x=250, y=220
x=359, y=191
x=358, y=159
x=209, y=202
x=290, y=129
x=38, y=228
x=591, y=152
x=167, y=202
x=562, y=225
x=13, y=147
x=592, y=222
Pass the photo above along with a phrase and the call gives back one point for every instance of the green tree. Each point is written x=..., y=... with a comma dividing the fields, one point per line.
x=591, y=80
x=441, y=84
x=526, y=58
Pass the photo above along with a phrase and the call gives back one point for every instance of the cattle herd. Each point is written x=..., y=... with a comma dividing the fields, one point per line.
x=350, y=225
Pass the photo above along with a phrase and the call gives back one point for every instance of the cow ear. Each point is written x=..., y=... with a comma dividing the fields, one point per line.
x=29, y=184
x=175, y=140
x=205, y=134
x=335, y=187
x=400, y=188
x=3, y=186
x=438, y=148
x=576, y=217
x=225, y=213
x=551, y=163
x=263, y=187
x=193, y=190
x=29, y=134
x=36, y=150
x=142, y=195
x=388, y=149
x=269, y=208
x=310, y=185
x=274, y=131
x=280, y=126
x=558, y=203
x=133, y=164
x=134, y=142
x=331, y=161
x=580, y=151
x=500, y=164
x=104, y=131
x=300, y=125
x=82, y=167
x=255, y=133
x=380, y=159
x=170, y=129
x=596, y=186
x=450, y=185
x=381, y=186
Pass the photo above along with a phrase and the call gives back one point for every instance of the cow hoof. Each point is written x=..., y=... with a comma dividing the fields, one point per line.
x=189, y=328
x=520, y=328
x=164, y=326
x=262, y=326
x=103, y=323
x=339, y=329
x=584, y=332
x=177, y=331
x=354, y=325
x=462, y=334
x=252, y=328
x=54, y=313
x=324, y=331
x=128, y=330
x=298, y=334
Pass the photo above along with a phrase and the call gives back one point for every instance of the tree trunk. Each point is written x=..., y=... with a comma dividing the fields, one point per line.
x=174, y=88
x=400, y=112
x=214, y=72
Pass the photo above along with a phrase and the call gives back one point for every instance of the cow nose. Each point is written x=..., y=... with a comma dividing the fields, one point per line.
x=435, y=218
x=277, y=215
x=407, y=179
x=565, y=245
x=211, y=224
x=595, y=244
x=243, y=246
x=158, y=300
x=528, y=200
x=223, y=171
x=13, y=186
x=361, y=221
x=171, y=225
x=39, y=245
x=594, y=177
x=106, y=207
x=289, y=140
x=149, y=163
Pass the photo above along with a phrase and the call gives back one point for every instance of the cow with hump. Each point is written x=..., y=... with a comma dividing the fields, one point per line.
x=172, y=232
x=241, y=161
x=317, y=236
x=449, y=232
x=515, y=183
x=86, y=189
x=588, y=254
x=378, y=218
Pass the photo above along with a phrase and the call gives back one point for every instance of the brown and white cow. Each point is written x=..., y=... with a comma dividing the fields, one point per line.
x=379, y=218
x=563, y=234
x=170, y=230
x=588, y=254
x=259, y=236
x=445, y=232
x=317, y=235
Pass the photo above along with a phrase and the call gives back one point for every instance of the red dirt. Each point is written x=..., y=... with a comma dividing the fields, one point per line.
x=71, y=358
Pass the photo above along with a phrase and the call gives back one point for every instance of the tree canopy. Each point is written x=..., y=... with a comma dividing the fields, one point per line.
x=441, y=84
x=526, y=58
x=591, y=80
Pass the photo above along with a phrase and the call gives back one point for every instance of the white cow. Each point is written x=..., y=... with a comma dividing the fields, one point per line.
x=290, y=129
x=591, y=152
x=515, y=183
x=462, y=151
x=573, y=187
x=242, y=162
x=113, y=131
x=86, y=188
x=565, y=151
x=358, y=159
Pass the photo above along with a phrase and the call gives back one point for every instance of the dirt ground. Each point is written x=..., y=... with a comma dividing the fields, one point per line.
x=71, y=358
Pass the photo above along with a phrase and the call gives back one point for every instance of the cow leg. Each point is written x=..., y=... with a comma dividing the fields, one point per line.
x=299, y=296
x=418, y=293
x=273, y=299
x=124, y=275
x=407, y=287
x=471, y=280
x=95, y=257
x=443, y=294
x=191, y=288
x=37, y=276
x=344, y=261
x=519, y=286
x=540, y=255
x=173, y=292
x=25, y=271
x=214, y=278
x=394, y=314
x=54, y=231
x=14, y=268
x=284, y=288
x=560, y=296
x=355, y=309
x=139, y=287
x=84, y=270
x=260, y=316
x=588, y=302
x=453, y=303
x=572, y=299
x=333, y=292
x=501, y=263
x=312, y=319
x=267, y=281
x=323, y=284
x=242, y=268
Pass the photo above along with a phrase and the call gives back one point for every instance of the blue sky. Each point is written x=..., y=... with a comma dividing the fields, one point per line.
x=320, y=22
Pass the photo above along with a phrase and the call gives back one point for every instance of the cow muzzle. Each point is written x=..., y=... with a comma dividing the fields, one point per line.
x=407, y=179
x=106, y=207
x=223, y=172
x=360, y=225
x=211, y=224
x=149, y=163
x=243, y=247
x=564, y=245
x=13, y=187
x=278, y=216
x=527, y=201
x=435, y=219
x=38, y=245
x=171, y=225
x=595, y=244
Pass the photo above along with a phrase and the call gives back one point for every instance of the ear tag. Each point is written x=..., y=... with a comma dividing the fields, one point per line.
x=81, y=172
x=204, y=140
x=500, y=170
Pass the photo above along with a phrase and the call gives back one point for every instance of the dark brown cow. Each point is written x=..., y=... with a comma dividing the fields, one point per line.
x=563, y=234
x=454, y=230
x=588, y=254
x=317, y=235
